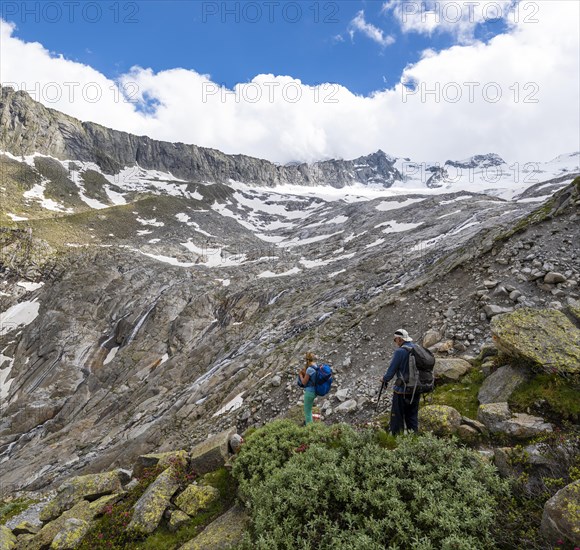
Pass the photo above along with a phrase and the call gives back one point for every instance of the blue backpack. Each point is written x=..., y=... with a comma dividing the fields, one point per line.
x=323, y=379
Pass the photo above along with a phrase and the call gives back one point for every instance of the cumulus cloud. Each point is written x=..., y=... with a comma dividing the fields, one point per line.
x=359, y=24
x=515, y=95
x=458, y=18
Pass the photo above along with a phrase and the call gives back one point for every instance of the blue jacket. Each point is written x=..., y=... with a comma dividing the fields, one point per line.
x=399, y=367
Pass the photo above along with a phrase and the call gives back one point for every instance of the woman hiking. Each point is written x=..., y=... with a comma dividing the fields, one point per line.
x=307, y=377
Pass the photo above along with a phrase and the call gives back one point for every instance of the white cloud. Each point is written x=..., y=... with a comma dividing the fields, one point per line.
x=359, y=23
x=534, y=66
x=456, y=17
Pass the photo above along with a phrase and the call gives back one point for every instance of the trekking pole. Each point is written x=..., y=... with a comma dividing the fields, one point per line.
x=379, y=399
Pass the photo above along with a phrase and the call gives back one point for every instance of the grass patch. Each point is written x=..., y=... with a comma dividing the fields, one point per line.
x=551, y=395
x=11, y=508
x=461, y=395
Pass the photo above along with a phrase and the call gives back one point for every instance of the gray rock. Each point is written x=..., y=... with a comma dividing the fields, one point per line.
x=149, y=509
x=236, y=443
x=499, y=386
x=276, y=381
x=514, y=295
x=560, y=519
x=450, y=369
x=431, y=338
x=493, y=415
x=553, y=277
x=492, y=310
x=343, y=394
x=347, y=406
x=212, y=453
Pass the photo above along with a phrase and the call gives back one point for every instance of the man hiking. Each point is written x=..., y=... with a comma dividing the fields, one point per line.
x=405, y=407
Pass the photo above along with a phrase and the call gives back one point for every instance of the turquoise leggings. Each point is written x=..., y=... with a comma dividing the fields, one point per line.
x=308, y=401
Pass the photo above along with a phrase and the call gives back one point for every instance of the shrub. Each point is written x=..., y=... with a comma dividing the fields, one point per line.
x=340, y=489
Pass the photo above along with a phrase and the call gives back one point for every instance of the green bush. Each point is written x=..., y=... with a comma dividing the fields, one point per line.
x=331, y=487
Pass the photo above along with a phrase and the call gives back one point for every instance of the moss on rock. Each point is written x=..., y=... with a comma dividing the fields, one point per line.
x=7, y=539
x=196, y=498
x=543, y=337
x=439, y=419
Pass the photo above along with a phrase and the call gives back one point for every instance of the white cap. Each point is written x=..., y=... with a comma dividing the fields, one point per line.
x=402, y=333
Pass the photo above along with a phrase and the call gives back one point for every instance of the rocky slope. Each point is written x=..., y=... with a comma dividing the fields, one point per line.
x=144, y=309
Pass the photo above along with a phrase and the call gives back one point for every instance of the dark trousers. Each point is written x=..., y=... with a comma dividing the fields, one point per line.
x=404, y=412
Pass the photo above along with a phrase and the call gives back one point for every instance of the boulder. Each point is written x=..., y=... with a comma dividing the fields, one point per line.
x=87, y=487
x=236, y=442
x=431, y=338
x=561, y=517
x=163, y=460
x=7, y=538
x=83, y=510
x=212, y=453
x=149, y=509
x=347, y=406
x=544, y=337
x=223, y=533
x=493, y=415
x=498, y=419
x=71, y=534
x=552, y=278
x=196, y=498
x=439, y=419
x=450, y=369
x=474, y=424
x=499, y=385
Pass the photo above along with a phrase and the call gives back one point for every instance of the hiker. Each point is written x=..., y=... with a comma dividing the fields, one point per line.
x=405, y=407
x=306, y=376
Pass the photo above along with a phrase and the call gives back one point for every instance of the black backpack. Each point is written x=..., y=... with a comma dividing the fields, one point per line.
x=419, y=378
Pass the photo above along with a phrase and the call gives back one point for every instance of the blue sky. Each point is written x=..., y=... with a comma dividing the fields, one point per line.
x=304, y=81
x=232, y=41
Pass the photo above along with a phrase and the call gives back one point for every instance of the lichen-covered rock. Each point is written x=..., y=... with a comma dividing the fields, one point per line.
x=544, y=337
x=87, y=487
x=212, y=453
x=163, y=460
x=7, y=538
x=149, y=509
x=223, y=533
x=498, y=386
x=499, y=419
x=561, y=518
x=450, y=369
x=177, y=520
x=71, y=535
x=575, y=312
x=22, y=541
x=196, y=498
x=83, y=510
x=439, y=419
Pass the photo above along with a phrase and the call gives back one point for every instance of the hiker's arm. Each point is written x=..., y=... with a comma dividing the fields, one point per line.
x=396, y=363
x=303, y=377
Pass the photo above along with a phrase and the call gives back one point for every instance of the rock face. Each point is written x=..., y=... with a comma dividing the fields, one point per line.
x=450, y=369
x=499, y=419
x=499, y=386
x=35, y=128
x=222, y=534
x=561, y=518
x=439, y=419
x=542, y=336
